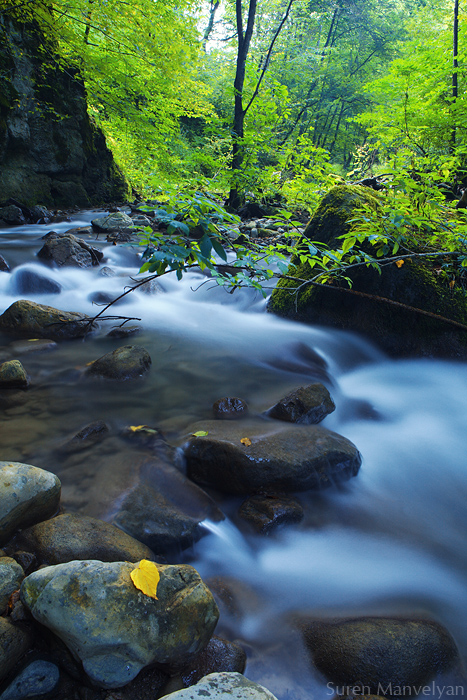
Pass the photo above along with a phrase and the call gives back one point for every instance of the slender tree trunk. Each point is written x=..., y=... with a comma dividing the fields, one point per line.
x=455, y=40
x=212, y=13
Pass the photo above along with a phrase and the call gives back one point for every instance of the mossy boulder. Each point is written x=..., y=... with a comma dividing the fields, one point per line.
x=26, y=319
x=397, y=329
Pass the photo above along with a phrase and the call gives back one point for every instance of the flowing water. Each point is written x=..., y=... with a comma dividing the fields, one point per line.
x=390, y=541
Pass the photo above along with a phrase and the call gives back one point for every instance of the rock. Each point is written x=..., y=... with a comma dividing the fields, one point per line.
x=251, y=210
x=30, y=282
x=11, y=575
x=107, y=271
x=140, y=220
x=13, y=375
x=111, y=626
x=219, y=655
x=281, y=457
x=30, y=320
x=378, y=652
x=164, y=509
x=14, y=643
x=105, y=298
x=223, y=686
x=51, y=151
x=146, y=686
x=307, y=404
x=40, y=215
x=230, y=408
x=25, y=347
x=66, y=249
x=87, y=436
x=124, y=332
x=112, y=222
x=127, y=362
x=4, y=267
x=27, y=496
x=12, y=215
x=399, y=331
x=268, y=513
x=68, y=537
x=38, y=678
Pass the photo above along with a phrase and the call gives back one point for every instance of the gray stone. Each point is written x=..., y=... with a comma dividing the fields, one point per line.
x=27, y=496
x=71, y=537
x=31, y=282
x=13, y=375
x=307, y=404
x=11, y=575
x=30, y=320
x=230, y=408
x=127, y=362
x=112, y=222
x=140, y=220
x=14, y=643
x=12, y=215
x=376, y=652
x=124, y=331
x=223, y=686
x=38, y=678
x=281, y=456
x=114, y=628
x=66, y=249
x=268, y=513
x=219, y=655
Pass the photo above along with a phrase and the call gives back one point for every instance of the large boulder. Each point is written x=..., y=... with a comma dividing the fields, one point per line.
x=71, y=537
x=112, y=627
x=26, y=319
x=398, y=330
x=13, y=375
x=254, y=455
x=66, y=249
x=118, y=221
x=50, y=149
x=27, y=496
x=378, y=655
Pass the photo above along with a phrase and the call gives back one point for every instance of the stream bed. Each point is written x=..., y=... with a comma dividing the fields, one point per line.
x=390, y=541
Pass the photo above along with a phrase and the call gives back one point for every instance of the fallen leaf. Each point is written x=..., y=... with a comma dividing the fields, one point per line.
x=452, y=283
x=134, y=428
x=246, y=441
x=399, y=263
x=146, y=577
x=200, y=433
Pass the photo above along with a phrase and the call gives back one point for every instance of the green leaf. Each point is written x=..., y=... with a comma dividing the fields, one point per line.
x=216, y=244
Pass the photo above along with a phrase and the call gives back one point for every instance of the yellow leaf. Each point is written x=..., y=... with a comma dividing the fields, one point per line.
x=200, y=433
x=399, y=263
x=246, y=441
x=146, y=577
x=452, y=283
x=134, y=428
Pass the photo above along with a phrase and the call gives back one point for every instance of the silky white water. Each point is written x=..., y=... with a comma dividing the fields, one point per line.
x=390, y=541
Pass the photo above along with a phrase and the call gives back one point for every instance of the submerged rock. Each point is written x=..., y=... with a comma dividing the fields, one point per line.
x=376, y=652
x=268, y=513
x=223, y=686
x=13, y=375
x=307, y=404
x=273, y=456
x=66, y=249
x=71, y=537
x=27, y=496
x=230, y=408
x=31, y=282
x=27, y=319
x=127, y=362
x=114, y=628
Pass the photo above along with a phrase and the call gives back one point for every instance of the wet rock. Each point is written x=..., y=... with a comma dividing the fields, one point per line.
x=30, y=282
x=12, y=215
x=377, y=652
x=307, y=404
x=4, y=267
x=27, y=496
x=38, y=678
x=111, y=626
x=13, y=375
x=127, y=362
x=105, y=298
x=230, y=408
x=11, y=575
x=68, y=537
x=40, y=215
x=30, y=320
x=164, y=509
x=66, y=249
x=219, y=655
x=124, y=332
x=14, y=643
x=223, y=686
x=107, y=272
x=268, y=513
x=140, y=220
x=112, y=222
x=273, y=456
x=27, y=560
x=146, y=686
x=151, y=287
x=24, y=347
x=87, y=436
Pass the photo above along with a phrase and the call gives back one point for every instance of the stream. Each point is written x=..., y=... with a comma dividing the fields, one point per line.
x=390, y=541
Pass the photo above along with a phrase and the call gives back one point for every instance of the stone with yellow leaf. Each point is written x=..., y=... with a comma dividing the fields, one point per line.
x=114, y=628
